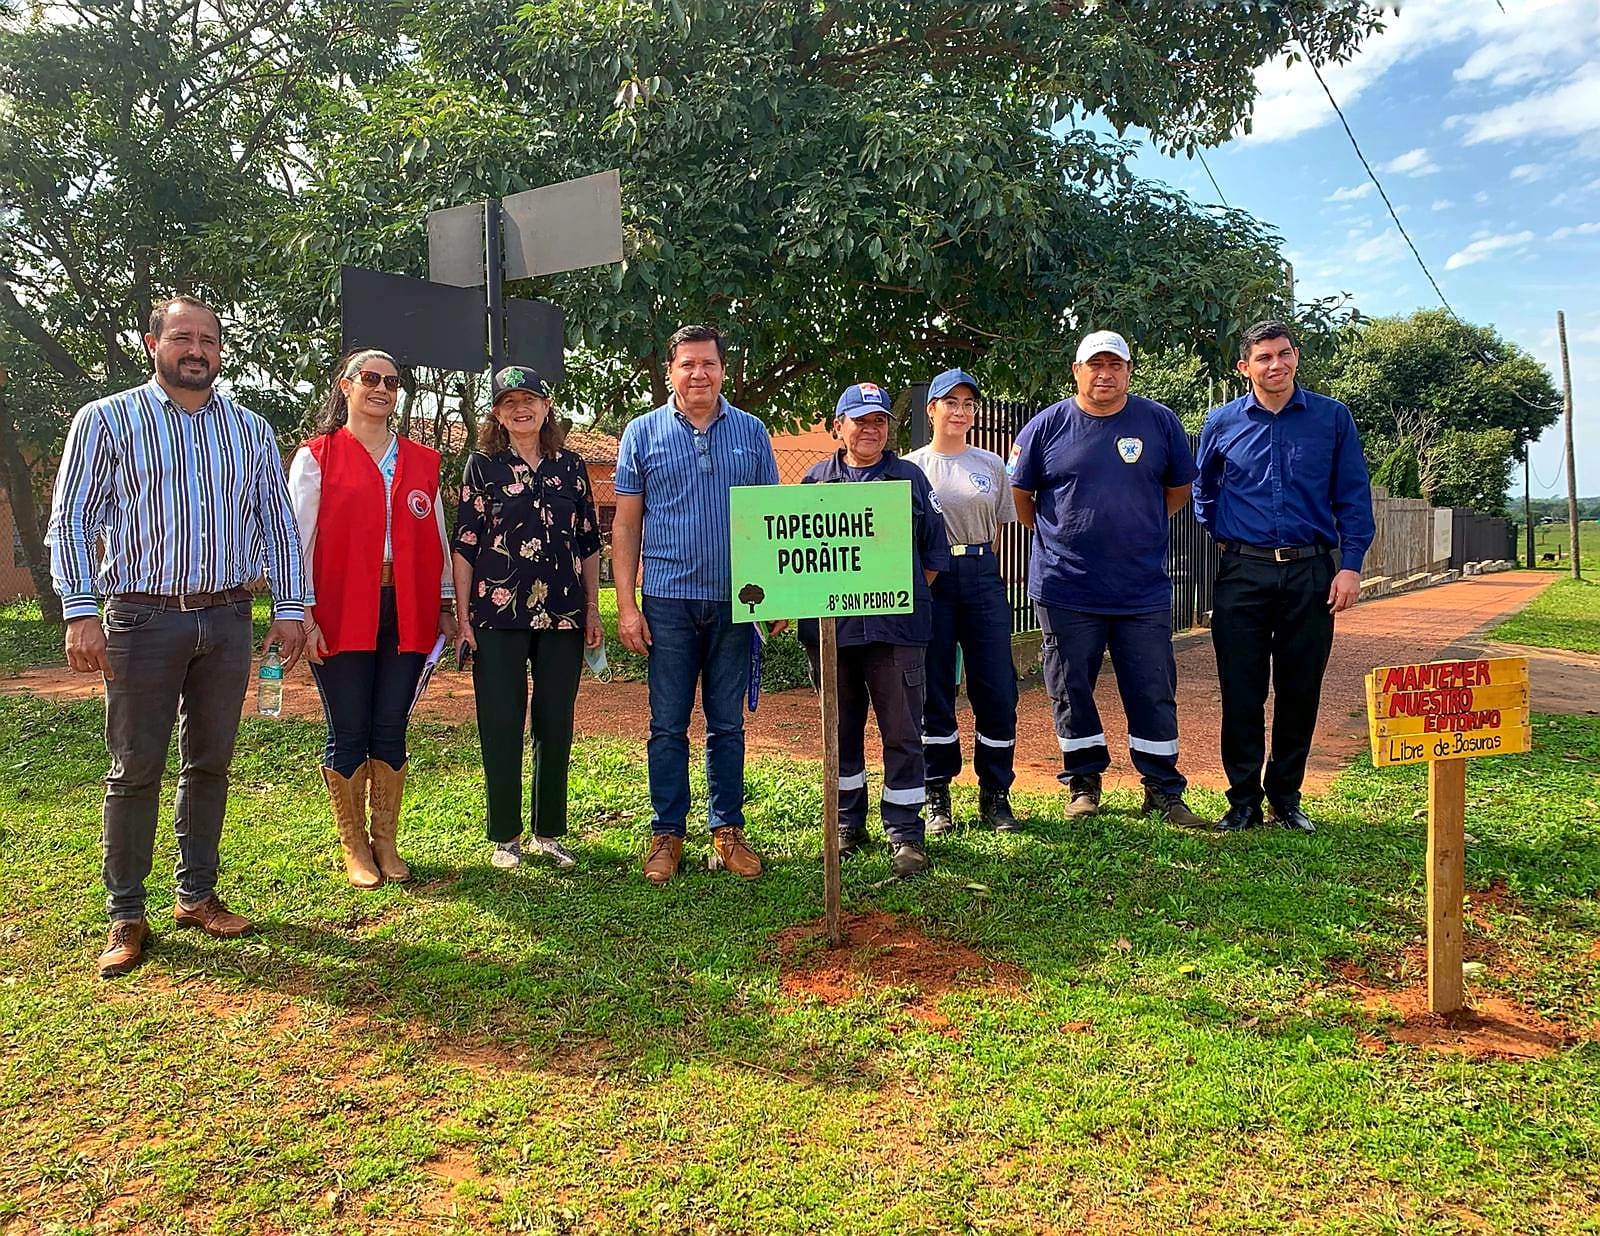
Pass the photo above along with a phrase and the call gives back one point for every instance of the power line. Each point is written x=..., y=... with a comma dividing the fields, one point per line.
x=1201, y=156
x=1373, y=176
x=1540, y=481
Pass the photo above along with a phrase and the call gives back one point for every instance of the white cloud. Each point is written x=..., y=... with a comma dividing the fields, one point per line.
x=1486, y=247
x=1571, y=109
x=1530, y=172
x=1581, y=229
x=1413, y=163
x=1384, y=247
x=1442, y=203
x=1480, y=197
x=1352, y=194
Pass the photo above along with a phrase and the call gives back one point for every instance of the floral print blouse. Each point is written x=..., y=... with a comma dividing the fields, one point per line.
x=526, y=531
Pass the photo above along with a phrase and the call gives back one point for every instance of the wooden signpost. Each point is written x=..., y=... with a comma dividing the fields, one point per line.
x=824, y=552
x=1444, y=713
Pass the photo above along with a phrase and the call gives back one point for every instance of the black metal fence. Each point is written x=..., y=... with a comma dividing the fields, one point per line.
x=1191, y=554
x=1480, y=538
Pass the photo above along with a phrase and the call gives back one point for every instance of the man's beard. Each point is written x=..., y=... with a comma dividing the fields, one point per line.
x=174, y=375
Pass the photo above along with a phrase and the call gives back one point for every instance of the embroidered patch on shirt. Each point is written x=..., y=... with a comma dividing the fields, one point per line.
x=1130, y=449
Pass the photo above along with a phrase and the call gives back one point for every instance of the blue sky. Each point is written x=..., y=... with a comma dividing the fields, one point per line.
x=1484, y=128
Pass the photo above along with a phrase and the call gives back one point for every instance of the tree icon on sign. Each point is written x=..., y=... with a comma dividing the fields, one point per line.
x=752, y=595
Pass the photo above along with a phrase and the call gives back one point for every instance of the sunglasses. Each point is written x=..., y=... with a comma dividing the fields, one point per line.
x=371, y=380
x=702, y=446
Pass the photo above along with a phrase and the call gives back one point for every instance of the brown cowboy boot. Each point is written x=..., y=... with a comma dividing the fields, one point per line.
x=348, y=795
x=730, y=849
x=388, y=786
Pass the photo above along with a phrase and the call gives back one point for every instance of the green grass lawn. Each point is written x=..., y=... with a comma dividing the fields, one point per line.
x=529, y=1051
x=1553, y=538
x=26, y=639
x=1564, y=615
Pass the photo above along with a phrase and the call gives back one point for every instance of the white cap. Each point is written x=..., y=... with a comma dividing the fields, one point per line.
x=1103, y=341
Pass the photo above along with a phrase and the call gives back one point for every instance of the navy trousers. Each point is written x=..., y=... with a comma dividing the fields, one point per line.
x=889, y=679
x=970, y=612
x=1075, y=645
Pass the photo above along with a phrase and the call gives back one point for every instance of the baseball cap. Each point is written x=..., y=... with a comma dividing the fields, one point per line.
x=519, y=378
x=862, y=399
x=1103, y=341
x=948, y=381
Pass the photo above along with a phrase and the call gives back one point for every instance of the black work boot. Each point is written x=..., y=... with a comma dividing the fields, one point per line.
x=851, y=843
x=1085, y=792
x=1172, y=809
x=909, y=860
x=939, y=818
x=994, y=811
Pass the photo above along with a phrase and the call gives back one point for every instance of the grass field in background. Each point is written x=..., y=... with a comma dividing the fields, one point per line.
x=1553, y=538
x=1564, y=615
x=528, y=1051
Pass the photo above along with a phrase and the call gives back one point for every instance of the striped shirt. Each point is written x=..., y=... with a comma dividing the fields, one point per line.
x=684, y=475
x=180, y=502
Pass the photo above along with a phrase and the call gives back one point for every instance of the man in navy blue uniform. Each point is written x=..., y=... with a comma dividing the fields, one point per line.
x=1097, y=476
x=1283, y=490
x=881, y=657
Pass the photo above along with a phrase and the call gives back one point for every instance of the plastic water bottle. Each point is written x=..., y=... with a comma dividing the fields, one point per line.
x=269, y=685
x=595, y=659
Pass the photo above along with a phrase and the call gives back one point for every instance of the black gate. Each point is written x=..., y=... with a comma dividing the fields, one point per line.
x=1191, y=554
x=1479, y=538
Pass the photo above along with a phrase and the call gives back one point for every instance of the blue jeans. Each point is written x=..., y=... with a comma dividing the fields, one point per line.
x=696, y=643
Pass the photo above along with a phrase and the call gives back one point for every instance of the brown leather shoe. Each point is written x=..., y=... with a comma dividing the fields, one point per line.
x=213, y=918
x=729, y=849
x=662, y=858
x=124, y=946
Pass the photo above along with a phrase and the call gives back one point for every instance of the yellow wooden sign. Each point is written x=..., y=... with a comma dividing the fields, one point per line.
x=1448, y=710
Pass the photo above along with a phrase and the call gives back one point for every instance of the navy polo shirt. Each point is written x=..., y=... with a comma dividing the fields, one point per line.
x=930, y=551
x=1291, y=478
x=1100, y=506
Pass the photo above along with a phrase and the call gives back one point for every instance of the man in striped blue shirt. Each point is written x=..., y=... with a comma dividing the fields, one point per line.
x=674, y=469
x=179, y=492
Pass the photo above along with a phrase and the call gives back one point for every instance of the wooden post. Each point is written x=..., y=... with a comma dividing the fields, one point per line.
x=828, y=655
x=1574, y=552
x=1447, y=810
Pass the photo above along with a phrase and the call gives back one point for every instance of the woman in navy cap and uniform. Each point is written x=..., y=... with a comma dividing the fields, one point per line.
x=881, y=657
x=970, y=612
x=527, y=576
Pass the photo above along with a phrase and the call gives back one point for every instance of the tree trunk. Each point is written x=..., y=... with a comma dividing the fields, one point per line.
x=25, y=513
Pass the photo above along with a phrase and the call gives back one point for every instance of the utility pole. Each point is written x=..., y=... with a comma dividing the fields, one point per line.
x=1527, y=508
x=1572, y=464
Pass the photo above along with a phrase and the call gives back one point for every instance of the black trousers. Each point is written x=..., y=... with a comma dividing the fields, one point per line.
x=1270, y=625
x=500, y=673
x=366, y=697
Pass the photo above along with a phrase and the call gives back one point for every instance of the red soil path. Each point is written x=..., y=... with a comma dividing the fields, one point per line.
x=1417, y=626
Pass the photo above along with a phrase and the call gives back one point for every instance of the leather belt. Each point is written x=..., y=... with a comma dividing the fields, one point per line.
x=189, y=600
x=1283, y=553
x=969, y=551
x=386, y=576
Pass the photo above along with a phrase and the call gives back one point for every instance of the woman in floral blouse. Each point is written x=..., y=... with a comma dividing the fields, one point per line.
x=527, y=575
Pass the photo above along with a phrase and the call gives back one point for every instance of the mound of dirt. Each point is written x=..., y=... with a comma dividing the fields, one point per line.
x=882, y=950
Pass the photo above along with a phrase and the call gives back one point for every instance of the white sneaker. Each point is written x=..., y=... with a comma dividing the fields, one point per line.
x=557, y=853
x=507, y=853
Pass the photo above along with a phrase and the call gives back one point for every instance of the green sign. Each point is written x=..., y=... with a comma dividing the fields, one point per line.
x=821, y=551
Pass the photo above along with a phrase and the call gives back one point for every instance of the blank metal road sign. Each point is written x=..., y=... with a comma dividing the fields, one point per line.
x=566, y=226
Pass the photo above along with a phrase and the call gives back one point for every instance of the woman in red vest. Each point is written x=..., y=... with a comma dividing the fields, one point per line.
x=378, y=596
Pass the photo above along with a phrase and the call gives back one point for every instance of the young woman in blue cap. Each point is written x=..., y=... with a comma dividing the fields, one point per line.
x=527, y=575
x=970, y=612
x=881, y=657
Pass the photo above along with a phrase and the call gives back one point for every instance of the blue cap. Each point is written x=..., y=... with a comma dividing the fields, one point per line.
x=948, y=381
x=863, y=399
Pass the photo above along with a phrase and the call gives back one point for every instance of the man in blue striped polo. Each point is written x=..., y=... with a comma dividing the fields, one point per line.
x=674, y=469
x=184, y=490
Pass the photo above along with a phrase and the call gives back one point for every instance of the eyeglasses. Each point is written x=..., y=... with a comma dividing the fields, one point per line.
x=702, y=447
x=372, y=380
x=958, y=405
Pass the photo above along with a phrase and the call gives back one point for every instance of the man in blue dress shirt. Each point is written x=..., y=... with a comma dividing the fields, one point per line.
x=1283, y=490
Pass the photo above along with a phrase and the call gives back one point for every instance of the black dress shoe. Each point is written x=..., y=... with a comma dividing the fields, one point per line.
x=1240, y=818
x=1293, y=817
